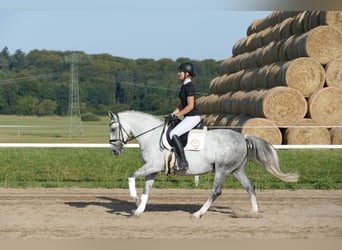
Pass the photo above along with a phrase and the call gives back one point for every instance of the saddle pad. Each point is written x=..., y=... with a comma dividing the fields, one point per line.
x=196, y=139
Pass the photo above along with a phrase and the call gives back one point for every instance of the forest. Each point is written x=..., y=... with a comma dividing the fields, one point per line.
x=38, y=83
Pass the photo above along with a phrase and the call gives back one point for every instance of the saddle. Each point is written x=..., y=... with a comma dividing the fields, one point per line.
x=192, y=141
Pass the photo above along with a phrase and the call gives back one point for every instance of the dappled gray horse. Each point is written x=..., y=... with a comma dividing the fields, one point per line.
x=225, y=152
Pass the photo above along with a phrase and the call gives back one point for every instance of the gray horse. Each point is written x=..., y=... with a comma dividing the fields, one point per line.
x=225, y=152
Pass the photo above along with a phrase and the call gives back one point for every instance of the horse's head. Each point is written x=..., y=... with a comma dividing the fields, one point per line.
x=117, y=138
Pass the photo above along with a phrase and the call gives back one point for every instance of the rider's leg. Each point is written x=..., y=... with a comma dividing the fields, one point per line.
x=184, y=126
x=183, y=164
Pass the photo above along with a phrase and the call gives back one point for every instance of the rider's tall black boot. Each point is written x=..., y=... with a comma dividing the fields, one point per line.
x=177, y=144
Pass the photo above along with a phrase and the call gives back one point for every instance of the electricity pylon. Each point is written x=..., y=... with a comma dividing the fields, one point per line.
x=75, y=122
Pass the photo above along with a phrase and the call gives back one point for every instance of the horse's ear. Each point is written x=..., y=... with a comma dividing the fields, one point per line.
x=111, y=115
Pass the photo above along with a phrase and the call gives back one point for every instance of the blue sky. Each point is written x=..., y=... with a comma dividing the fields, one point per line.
x=130, y=28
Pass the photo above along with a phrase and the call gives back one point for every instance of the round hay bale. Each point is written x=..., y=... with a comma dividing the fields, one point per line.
x=225, y=103
x=259, y=127
x=269, y=54
x=303, y=74
x=230, y=65
x=239, y=47
x=333, y=71
x=224, y=120
x=325, y=106
x=285, y=28
x=272, y=19
x=215, y=86
x=270, y=72
x=322, y=43
x=297, y=25
x=336, y=135
x=333, y=18
x=207, y=104
x=209, y=120
x=200, y=104
x=226, y=83
x=284, y=106
x=248, y=60
x=307, y=131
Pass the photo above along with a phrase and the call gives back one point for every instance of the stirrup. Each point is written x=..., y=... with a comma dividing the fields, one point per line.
x=182, y=165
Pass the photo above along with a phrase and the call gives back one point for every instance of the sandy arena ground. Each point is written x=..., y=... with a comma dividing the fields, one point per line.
x=105, y=214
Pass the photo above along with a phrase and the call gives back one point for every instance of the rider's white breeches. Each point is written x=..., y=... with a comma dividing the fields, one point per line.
x=188, y=123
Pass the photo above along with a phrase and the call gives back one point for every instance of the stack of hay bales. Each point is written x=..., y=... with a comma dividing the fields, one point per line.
x=284, y=80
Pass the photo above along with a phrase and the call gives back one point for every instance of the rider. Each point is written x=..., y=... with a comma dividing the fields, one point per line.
x=186, y=108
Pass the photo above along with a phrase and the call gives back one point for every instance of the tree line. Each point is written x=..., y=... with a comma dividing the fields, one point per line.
x=38, y=83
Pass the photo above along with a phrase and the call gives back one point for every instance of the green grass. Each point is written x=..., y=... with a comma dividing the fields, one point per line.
x=94, y=168
x=97, y=168
x=51, y=129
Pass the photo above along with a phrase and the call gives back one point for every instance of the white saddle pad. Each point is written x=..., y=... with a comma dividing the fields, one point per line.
x=196, y=139
x=195, y=142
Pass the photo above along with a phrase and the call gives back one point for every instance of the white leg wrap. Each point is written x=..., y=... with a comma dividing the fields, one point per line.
x=254, y=204
x=141, y=208
x=131, y=185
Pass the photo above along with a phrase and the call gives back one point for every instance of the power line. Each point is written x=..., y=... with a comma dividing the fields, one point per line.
x=155, y=87
x=33, y=77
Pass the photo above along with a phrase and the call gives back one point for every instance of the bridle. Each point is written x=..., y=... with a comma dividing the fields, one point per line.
x=122, y=131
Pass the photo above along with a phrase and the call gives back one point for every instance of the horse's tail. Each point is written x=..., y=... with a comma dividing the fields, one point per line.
x=263, y=153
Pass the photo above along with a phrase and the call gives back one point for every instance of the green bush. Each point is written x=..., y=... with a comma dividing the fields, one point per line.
x=89, y=117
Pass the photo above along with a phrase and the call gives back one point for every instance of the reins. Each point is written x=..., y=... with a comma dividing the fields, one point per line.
x=130, y=138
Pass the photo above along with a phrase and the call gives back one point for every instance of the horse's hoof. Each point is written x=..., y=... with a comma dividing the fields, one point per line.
x=134, y=213
x=195, y=216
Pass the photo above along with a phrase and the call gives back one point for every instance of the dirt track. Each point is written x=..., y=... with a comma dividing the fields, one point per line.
x=105, y=214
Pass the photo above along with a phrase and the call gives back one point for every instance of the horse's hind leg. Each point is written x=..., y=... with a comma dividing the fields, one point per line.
x=216, y=192
x=241, y=176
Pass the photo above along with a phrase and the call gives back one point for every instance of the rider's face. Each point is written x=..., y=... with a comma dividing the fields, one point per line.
x=182, y=75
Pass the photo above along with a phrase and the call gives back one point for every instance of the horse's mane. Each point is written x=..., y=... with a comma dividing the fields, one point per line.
x=140, y=115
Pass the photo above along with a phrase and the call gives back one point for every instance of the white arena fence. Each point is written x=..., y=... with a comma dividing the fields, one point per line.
x=19, y=128
x=106, y=145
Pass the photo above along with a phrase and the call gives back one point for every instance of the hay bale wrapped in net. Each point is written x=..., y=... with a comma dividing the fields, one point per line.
x=325, y=106
x=322, y=43
x=307, y=131
x=333, y=72
x=336, y=135
x=303, y=74
x=260, y=127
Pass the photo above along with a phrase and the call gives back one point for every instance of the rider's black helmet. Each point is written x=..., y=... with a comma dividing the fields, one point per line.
x=187, y=67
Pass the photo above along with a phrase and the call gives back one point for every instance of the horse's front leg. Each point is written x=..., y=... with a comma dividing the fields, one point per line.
x=133, y=191
x=144, y=197
x=150, y=171
x=143, y=171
